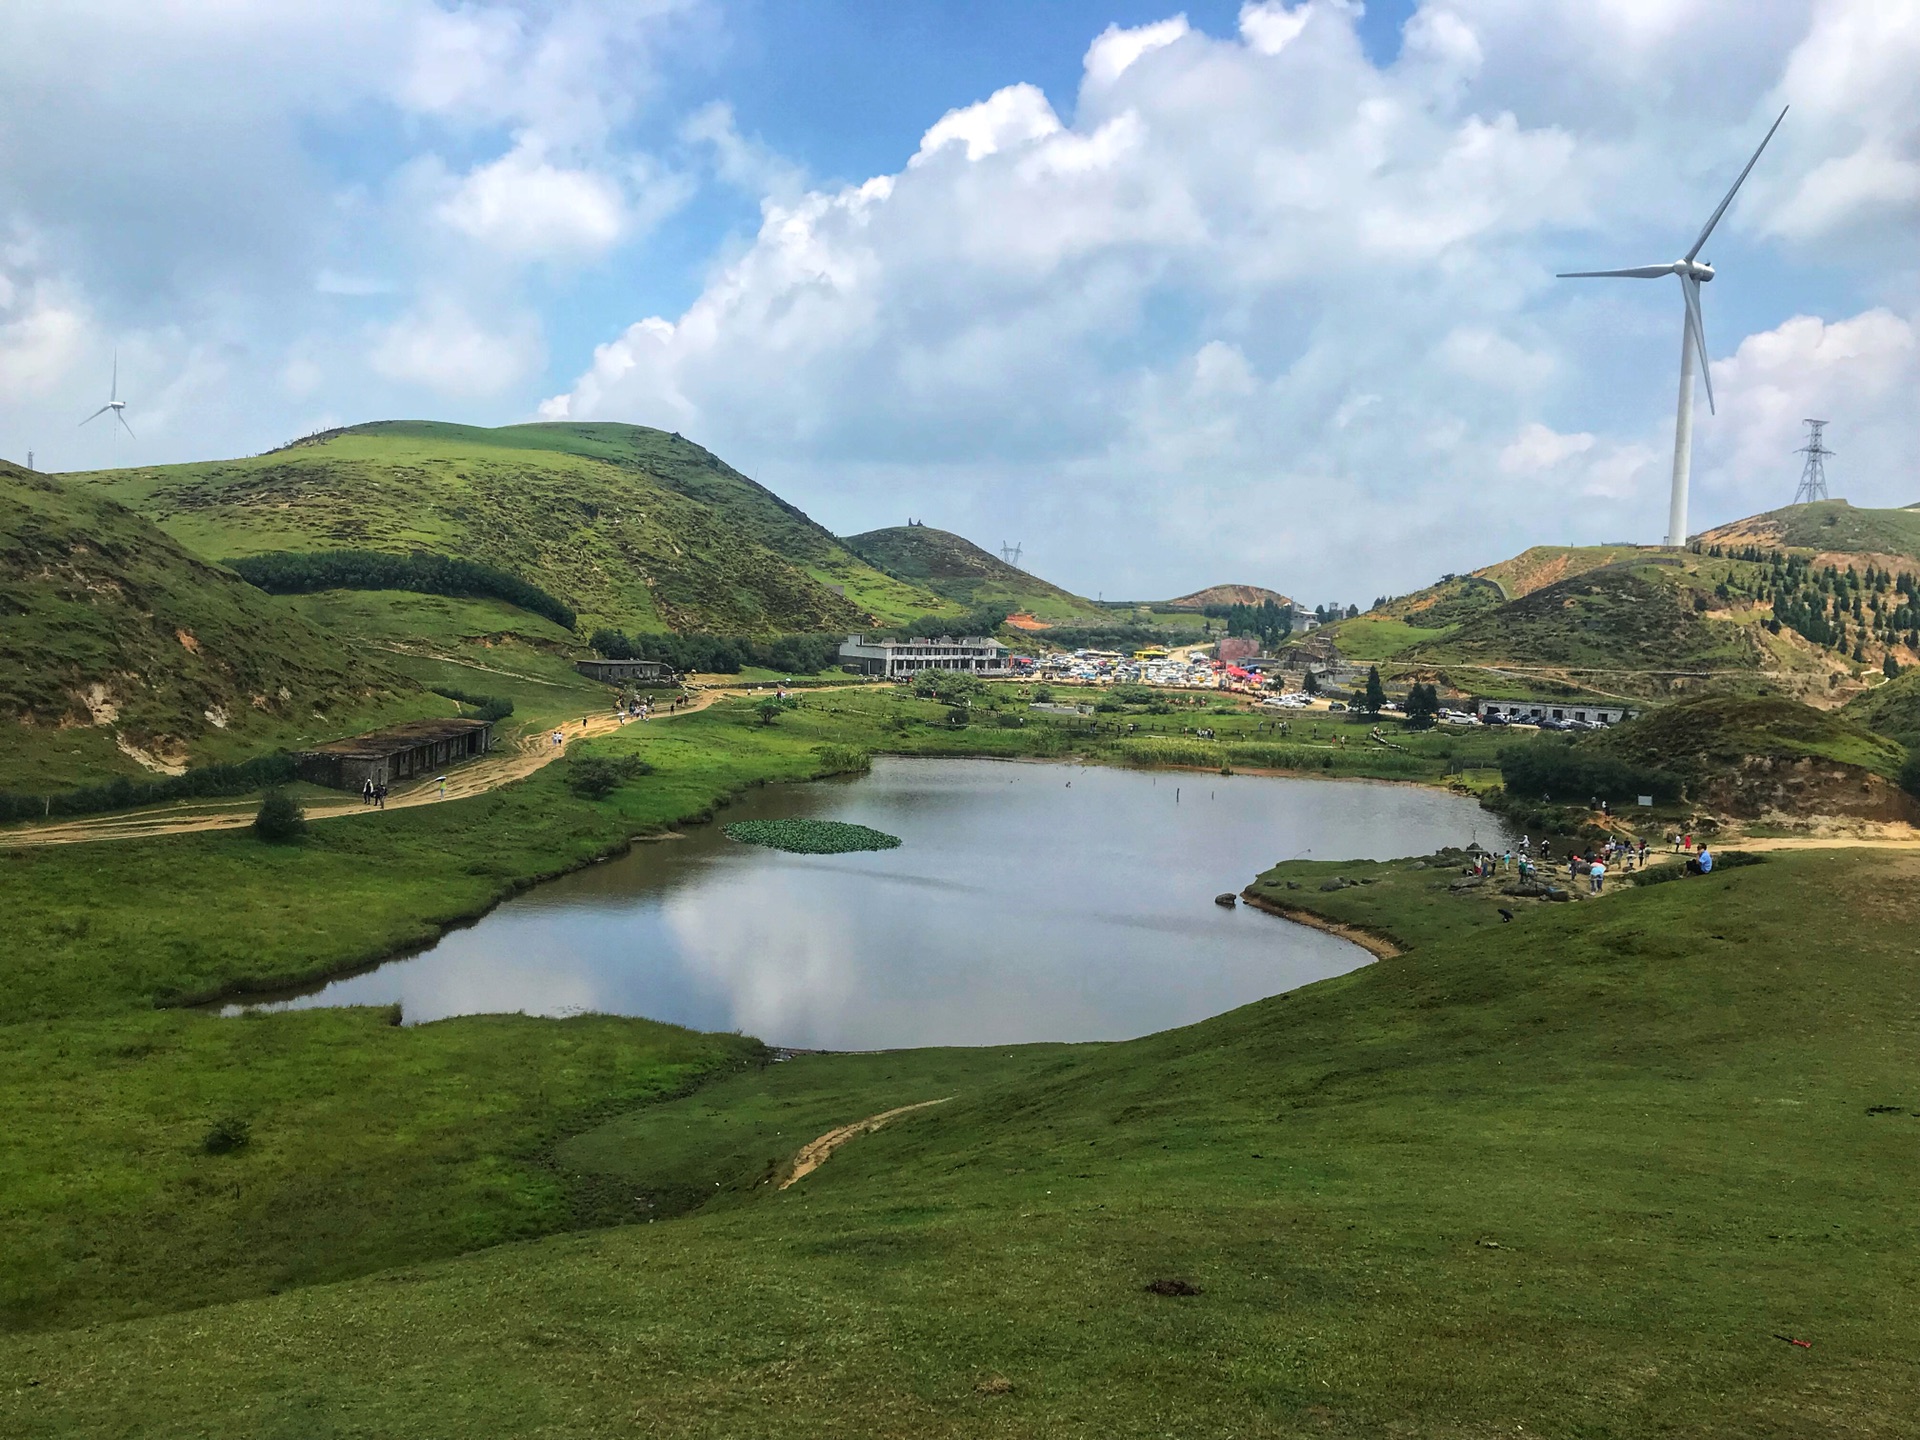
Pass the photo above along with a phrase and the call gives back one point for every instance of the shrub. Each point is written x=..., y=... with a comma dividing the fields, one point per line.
x=1909, y=776
x=280, y=820
x=228, y=1134
x=843, y=760
x=122, y=793
x=283, y=573
x=487, y=707
x=1549, y=767
x=594, y=777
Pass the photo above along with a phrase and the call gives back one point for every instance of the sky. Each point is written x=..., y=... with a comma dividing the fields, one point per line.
x=1257, y=293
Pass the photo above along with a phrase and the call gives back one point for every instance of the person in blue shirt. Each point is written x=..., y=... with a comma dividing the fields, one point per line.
x=1706, y=861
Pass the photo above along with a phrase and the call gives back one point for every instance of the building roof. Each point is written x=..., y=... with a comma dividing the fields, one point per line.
x=397, y=738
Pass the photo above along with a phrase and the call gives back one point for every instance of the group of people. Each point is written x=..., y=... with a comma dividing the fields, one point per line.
x=1519, y=859
x=374, y=793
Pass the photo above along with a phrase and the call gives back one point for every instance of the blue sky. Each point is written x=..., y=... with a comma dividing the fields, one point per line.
x=1257, y=292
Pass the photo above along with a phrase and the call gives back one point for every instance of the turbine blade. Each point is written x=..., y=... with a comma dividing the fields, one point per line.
x=114, y=393
x=130, y=435
x=1638, y=272
x=1714, y=219
x=1690, y=287
x=96, y=414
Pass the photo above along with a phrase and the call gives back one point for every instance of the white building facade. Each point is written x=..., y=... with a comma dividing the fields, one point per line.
x=896, y=659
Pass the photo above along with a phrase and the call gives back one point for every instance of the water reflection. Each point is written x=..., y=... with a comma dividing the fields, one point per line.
x=1028, y=902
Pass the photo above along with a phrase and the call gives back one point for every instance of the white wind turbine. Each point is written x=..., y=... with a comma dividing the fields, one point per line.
x=1693, y=341
x=114, y=402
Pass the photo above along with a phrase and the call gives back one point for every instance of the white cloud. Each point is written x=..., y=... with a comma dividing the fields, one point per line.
x=524, y=206
x=1010, y=117
x=1537, y=448
x=442, y=348
x=1269, y=27
x=1117, y=48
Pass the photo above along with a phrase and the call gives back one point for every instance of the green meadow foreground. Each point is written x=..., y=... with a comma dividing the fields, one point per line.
x=1573, y=1175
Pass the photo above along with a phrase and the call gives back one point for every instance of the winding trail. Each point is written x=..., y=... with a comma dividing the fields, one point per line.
x=527, y=753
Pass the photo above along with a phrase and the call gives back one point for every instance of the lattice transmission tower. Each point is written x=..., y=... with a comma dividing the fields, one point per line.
x=1813, y=476
x=1011, y=554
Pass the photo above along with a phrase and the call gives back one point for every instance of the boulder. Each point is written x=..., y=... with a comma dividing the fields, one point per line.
x=1227, y=899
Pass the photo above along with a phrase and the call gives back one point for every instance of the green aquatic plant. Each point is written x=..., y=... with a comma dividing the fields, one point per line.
x=811, y=837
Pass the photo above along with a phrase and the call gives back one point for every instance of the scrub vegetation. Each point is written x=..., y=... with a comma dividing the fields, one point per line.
x=811, y=837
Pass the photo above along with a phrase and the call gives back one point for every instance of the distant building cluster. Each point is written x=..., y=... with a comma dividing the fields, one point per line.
x=896, y=659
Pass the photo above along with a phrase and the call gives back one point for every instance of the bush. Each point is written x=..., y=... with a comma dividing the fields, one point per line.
x=228, y=1134
x=487, y=707
x=284, y=573
x=1909, y=776
x=594, y=777
x=956, y=687
x=1550, y=767
x=121, y=793
x=723, y=654
x=280, y=820
x=843, y=760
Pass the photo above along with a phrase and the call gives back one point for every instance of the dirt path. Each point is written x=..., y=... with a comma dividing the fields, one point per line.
x=816, y=1153
x=509, y=763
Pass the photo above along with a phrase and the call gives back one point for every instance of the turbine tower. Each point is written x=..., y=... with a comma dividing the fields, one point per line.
x=1693, y=274
x=114, y=402
x=1813, y=478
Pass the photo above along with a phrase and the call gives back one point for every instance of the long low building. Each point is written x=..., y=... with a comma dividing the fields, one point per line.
x=400, y=752
x=975, y=654
x=627, y=672
x=1532, y=712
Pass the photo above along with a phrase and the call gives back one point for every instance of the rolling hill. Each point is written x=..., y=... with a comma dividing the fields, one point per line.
x=1225, y=595
x=629, y=526
x=1827, y=527
x=120, y=650
x=960, y=571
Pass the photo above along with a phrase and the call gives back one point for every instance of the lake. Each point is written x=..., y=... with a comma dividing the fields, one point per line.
x=1027, y=902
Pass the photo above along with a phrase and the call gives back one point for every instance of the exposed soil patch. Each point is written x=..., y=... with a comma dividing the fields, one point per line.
x=1374, y=944
x=816, y=1153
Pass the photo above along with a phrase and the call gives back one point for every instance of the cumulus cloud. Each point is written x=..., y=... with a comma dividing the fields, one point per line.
x=443, y=348
x=524, y=205
x=1285, y=310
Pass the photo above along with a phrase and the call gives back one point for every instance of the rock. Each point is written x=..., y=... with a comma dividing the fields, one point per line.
x=1554, y=892
x=1370, y=880
x=1227, y=899
x=1293, y=884
x=1418, y=865
x=1527, y=889
x=1333, y=884
x=1472, y=882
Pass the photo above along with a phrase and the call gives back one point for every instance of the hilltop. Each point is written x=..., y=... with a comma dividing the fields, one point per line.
x=1827, y=528
x=122, y=651
x=1225, y=595
x=956, y=569
x=626, y=525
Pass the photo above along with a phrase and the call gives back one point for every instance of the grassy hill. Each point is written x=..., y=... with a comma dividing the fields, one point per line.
x=1225, y=595
x=120, y=650
x=960, y=571
x=631, y=527
x=1826, y=526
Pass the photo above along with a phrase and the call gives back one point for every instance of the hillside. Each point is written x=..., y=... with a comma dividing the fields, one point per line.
x=1892, y=709
x=958, y=570
x=119, y=649
x=629, y=526
x=1826, y=527
x=1225, y=595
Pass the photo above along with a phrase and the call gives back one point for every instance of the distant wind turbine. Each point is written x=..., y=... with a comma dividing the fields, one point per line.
x=114, y=402
x=1693, y=341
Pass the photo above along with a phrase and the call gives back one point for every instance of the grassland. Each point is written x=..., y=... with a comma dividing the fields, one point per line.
x=1570, y=1176
x=114, y=639
x=957, y=569
x=1826, y=526
x=632, y=527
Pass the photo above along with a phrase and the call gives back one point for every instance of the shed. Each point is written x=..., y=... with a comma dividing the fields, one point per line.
x=399, y=752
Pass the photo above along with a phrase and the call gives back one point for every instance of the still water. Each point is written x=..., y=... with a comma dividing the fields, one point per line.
x=1027, y=902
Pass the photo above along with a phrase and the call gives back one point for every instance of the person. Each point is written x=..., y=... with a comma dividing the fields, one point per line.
x=380, y=794
x=1597, y=873
x=366, y=791
x=1676, y=842
x=1643, y=854
x=1705, y=861
x=443, y=787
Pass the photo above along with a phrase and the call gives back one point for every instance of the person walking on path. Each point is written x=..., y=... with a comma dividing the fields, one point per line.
x=380, y=795
x=366, y=791
x=1597, y=874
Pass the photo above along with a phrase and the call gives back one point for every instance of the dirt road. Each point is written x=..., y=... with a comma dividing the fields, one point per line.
x=527, y=754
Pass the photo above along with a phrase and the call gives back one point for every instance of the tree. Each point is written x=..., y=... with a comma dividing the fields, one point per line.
x=1376, y=698
x=768, y=710
x=1890, y=667
x=1312, y=683
x=1423, y=706
x=280, y=820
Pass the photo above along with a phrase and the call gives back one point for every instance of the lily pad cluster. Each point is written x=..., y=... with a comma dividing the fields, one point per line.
x=811, y=837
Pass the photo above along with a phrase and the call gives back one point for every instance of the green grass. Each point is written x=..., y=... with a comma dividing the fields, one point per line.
x=370, y=1145
x=1378, y=637
x=1714, y=734
x=1568, y=1177
x=630, y=526
x=184, y=661
x=1836, y=525
x=960, y=571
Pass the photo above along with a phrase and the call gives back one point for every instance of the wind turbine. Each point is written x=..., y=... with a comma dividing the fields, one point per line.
x=114, y=402
x=1693, y=274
